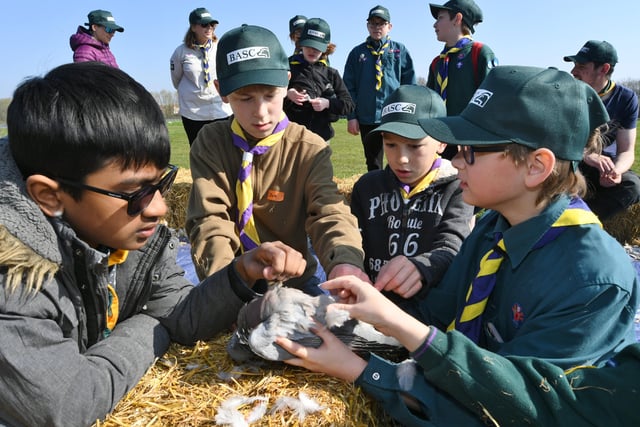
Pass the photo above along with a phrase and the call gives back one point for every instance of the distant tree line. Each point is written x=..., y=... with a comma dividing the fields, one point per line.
x=168, y=99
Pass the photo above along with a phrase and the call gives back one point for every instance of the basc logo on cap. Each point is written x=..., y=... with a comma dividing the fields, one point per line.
x=481, y=97
x=248, y=53
x=315, y=33
x=399, y=107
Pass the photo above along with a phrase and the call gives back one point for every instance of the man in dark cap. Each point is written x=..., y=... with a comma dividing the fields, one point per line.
x=613, y=186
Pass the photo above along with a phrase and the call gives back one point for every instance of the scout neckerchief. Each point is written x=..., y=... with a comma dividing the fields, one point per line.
x=113, y=309
x=245, y=223
x=204, y=49
x=469, y=320
x=443, y=71
x=408, y=192
x=299, y=59
x=606, y=90
x=377, y=53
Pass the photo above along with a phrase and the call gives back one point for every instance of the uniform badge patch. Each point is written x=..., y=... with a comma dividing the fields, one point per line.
x=517, y=315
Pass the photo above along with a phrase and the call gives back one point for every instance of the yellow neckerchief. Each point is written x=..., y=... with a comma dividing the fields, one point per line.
x=606, y=90
x=442, y=77
x=425, y=182
x=113, y=309
x=245, y=223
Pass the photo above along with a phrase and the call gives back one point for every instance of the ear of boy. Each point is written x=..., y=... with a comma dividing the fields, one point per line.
x=540, y=164
x=44, y=191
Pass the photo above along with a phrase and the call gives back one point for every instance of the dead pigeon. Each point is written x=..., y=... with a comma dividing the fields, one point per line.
x=288, y=312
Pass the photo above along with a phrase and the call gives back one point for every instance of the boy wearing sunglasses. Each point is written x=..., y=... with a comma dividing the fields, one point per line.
x=90, y=290
x=537, y=276
x=92, y=43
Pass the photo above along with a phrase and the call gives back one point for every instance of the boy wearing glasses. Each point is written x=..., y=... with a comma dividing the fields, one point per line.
x=92, y=43
x=372, y=71
x=537, y=276
x=90, y=291
x=258, y=177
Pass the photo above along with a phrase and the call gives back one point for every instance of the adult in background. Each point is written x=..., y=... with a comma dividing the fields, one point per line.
x=92, y=43
x=373, y=70
x=612, y=185
x=193, y=71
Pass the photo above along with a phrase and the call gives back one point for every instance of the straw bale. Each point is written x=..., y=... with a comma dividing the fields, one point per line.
x=177, y=200
x=625, y=226
x=188, y=384
x=345, y=186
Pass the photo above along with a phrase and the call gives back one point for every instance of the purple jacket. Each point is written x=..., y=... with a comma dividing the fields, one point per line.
x=86, y=48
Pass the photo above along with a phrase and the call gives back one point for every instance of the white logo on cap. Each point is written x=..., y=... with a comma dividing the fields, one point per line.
x=377, y=11
x=111, y=19
x=298, y=22
x=584, y=49
x=205, y=15
x=316, y=33
x=248, y=53
x=399, y=107
x=481, y=97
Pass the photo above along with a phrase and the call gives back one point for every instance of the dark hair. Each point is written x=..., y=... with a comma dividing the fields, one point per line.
x=82, y=116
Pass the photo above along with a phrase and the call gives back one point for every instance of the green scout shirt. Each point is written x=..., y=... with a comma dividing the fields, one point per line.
x=463, y=81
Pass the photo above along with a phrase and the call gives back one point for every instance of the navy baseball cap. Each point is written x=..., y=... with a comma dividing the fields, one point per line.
x=595, y=51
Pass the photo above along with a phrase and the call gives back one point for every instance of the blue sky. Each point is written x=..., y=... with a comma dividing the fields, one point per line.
x=35, y=34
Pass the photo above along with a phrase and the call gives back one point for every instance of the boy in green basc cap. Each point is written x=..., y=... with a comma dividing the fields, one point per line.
x=537, y=277
x=258, y=177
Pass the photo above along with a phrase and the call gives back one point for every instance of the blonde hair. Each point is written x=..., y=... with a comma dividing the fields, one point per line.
x=190, y=38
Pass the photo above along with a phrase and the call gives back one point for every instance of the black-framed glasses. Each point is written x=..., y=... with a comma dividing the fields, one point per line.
x=138, y=200
x=209, y=24
x=468, y=151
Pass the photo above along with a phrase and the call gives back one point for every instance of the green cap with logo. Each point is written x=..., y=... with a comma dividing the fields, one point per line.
x=296, y=23
x=250, y=55
x=530, y=106
x=379, y=12
x=104, y=18
x=471, y=13
x=595, y=51
x=315, y=34
x=201, y=15
x=405, y=106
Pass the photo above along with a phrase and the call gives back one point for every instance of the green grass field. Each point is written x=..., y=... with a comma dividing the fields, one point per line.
x=348, y=157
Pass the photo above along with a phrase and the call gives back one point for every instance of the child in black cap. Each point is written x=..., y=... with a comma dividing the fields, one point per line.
x=317, y=95
x=463, y=63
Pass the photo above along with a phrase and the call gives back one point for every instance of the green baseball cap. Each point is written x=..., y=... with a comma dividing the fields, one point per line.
x=315, y=34
x=250, y=55
x=530, y=106
x=595, y=51
x=104, y=18
x=296, y=23
x=405, y=106
x=471, y=13
x=201, y=16
x=379, y=12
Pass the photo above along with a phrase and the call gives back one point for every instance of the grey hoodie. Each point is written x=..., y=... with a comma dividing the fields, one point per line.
x=57, y=365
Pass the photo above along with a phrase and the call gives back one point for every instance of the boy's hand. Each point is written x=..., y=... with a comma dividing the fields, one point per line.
x=365, y=303
x=319, y=104
x=348, y=270
x=353, y=127
x=297, y=97
x=401, y=276
x=270, y=261
x=333, y=357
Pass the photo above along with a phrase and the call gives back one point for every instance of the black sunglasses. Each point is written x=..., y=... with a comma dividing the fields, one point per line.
x=109, y=30
x=468, y=151
x=138, y=200
x=209, y=24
